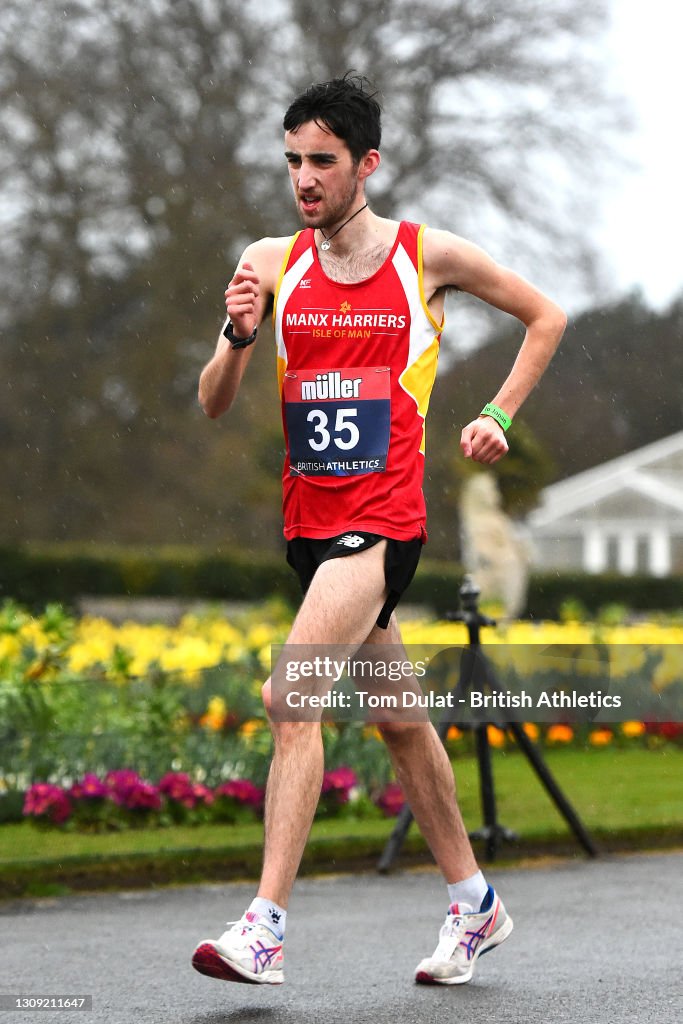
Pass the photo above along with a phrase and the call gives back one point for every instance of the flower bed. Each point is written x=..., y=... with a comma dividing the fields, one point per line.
x=123, y=800
x=81, y=698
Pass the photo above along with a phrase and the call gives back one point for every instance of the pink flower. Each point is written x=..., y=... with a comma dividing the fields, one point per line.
x=339, y=783
x=44, y=800
x=120, y=783
x=142, y=797
x=391, y=799
x=179, y=787
x=89, y=788
x=202, y=793
x=243, y=791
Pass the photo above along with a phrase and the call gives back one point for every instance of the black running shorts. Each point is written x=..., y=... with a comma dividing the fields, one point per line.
x=400, y=561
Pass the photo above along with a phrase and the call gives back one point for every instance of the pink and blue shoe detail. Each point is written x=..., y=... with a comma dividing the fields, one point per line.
x=464, y=937
x=248, y=952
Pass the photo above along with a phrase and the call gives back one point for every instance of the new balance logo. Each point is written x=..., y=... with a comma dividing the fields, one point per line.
x=305, y=283
x=351, y=540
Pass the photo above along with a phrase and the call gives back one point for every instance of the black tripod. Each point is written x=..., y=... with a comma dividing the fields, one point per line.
x=475, y=668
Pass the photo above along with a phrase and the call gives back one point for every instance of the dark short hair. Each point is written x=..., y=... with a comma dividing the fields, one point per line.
x=345, y=107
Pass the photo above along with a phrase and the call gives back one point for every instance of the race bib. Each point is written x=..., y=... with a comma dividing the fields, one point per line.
x=338, y=421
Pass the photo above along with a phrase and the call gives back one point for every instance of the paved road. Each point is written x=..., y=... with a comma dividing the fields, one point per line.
x=594, y=943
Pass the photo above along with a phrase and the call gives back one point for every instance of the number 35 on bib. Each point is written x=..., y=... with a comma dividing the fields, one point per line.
x=338, y=421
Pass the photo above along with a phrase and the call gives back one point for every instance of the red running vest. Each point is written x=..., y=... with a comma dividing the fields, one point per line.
x=356, y=364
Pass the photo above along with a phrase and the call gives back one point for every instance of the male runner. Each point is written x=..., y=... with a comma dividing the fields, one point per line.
x=358, y=312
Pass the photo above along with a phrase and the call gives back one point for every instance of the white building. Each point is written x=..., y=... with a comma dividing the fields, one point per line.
x=623, y=516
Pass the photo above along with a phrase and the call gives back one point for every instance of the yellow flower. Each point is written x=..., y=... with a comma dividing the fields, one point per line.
x=560, y=734
x=632, y=729
x=531, y=730
x=251, y=726
x=259, y=636
x=670, y=666
x=265, y=657
x=189, y=655
x=454, y=733
x=10, y=647
x=32, y=633
x=496, y=736
x=216, y=713
x=600, y=737
x=558, y=651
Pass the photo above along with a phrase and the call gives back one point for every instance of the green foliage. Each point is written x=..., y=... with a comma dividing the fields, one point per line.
x=573, y=610
x=525, y=471
x=552, y=595
x=63, y=572
x=56, y=723
x=352, y=743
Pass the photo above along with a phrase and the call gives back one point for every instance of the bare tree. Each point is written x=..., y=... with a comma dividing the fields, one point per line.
x=121, y=123
x=127, y=123
x=499, y=120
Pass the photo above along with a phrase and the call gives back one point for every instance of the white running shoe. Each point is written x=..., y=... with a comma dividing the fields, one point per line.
x=463, y=938
x=247, y=952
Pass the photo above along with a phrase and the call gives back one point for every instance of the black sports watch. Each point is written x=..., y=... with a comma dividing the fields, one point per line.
x=239, y=342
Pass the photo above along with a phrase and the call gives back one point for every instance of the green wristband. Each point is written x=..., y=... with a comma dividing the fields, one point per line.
x=501, y=418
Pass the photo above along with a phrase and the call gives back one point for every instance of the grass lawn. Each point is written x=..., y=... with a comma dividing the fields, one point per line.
x=613, y=791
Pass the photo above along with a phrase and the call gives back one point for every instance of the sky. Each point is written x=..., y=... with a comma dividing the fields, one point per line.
x=642, y=233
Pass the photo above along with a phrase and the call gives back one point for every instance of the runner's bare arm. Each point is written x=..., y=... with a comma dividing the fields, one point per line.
x=247, y=299
x=450, y=261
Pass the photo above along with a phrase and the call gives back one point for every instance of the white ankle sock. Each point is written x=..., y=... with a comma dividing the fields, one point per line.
x=272, y=915
x=469, y=893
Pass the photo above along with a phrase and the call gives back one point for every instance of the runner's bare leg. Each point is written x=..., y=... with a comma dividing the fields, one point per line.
x=345, y=595
x=425, y=775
